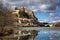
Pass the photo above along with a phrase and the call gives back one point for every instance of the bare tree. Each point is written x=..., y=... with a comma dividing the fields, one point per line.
x=6, y=20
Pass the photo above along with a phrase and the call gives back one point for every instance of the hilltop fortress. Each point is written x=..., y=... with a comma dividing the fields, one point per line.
x=24, y=17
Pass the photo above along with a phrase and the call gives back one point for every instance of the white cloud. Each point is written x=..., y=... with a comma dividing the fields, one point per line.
x=35, y=10
x=58, y=21
x=44, y=6
x=55, y=21
x=52, y=14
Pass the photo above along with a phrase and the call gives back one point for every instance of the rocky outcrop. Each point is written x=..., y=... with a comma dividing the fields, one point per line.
x=24, y=17
x=21, y=17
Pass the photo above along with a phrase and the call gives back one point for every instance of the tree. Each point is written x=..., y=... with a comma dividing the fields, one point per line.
x=9, y=20
x=6, y=21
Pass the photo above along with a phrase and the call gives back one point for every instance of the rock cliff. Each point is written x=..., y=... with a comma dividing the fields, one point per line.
x=20, y=17
x=24, y=17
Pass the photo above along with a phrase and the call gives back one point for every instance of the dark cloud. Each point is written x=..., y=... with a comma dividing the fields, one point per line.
x=50, y=6
x=26, y=3
x=13, y=0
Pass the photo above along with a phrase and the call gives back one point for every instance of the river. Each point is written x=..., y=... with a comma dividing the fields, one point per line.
x=45, y=33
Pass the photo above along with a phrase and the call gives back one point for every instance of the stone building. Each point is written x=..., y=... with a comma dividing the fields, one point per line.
x=24, y=17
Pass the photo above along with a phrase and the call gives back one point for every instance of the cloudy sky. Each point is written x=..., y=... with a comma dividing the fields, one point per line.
x=44, y=10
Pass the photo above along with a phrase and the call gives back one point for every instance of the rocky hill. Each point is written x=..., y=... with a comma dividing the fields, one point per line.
x=20, y=17
x=24, y=17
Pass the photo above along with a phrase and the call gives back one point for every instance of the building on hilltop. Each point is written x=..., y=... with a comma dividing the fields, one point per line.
x=24, y=17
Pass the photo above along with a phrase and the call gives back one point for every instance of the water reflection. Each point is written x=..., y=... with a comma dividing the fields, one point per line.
x=48, y=35
x=54, y=35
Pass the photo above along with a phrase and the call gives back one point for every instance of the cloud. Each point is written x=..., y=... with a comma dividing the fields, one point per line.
x=54, y=17
x=49, y=6
x=13, y=0
x=40, y=5
x=55, y=21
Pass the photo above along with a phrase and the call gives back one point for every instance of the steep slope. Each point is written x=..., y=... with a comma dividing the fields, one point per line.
x=24, y=17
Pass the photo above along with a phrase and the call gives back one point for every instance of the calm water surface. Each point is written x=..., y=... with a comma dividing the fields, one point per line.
x=45, y=33
x=48, y=35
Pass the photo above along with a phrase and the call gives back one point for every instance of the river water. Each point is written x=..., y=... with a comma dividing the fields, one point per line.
x=48, y=35
x=45, y=33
